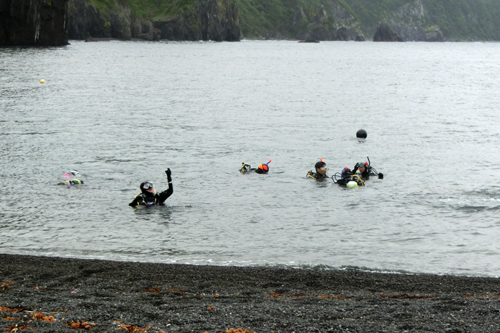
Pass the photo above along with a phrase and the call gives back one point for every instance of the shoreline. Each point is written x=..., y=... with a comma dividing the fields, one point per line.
x=110, y=39
x=123, y=296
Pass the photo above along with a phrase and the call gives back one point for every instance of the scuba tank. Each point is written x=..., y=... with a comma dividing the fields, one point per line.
x=347, y=179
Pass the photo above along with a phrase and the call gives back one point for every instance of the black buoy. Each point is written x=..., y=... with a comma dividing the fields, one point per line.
x=361, y=134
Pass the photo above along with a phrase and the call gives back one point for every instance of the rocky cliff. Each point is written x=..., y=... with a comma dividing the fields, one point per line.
x=385, y=34
x=411, y=20
x=33, y=22
x=333, y=21
x=216, y=20
x=408, y=22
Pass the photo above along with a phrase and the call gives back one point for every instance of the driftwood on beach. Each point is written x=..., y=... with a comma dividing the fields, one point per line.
x=60, y=295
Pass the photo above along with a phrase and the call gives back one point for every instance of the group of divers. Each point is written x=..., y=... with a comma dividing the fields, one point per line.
x=348, y=178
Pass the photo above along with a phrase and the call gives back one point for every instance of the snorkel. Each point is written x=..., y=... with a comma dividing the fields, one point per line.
x=372, y=169
x=267, y=164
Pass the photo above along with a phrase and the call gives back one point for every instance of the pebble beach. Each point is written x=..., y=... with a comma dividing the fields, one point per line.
x=46, y=294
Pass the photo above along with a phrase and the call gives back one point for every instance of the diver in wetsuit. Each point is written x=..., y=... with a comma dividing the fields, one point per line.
x=148, y=195
x=321, y=170
x=71, y=182
x=71, y=178
x=365, y=171
x=346, y=178
x=261, y=169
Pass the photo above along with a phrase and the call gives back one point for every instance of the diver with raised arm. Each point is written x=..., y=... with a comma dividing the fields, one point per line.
x=363, y=170
x=148, y=195
x=366, y=170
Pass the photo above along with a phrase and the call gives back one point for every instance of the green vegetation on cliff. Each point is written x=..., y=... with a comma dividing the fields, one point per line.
x=286, y=18
x=216, y=20
x=299, y=19
x=457, y=19
x=150, y=9
x=465, y=19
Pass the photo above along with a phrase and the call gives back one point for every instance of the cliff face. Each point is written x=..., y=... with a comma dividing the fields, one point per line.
x=385, y=34
x=206, y=20
x=331, y=21
x=299, y=19
x=33, y=22
x=216, y=20
x=408, y=19
x=51, y=22
x=412, y=19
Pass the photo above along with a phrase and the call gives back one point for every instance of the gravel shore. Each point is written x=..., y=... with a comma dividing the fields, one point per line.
x=42, y=294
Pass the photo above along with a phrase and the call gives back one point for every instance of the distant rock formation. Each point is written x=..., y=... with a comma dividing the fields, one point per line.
x=332, y=22
x=216, y=20
x=408, y=21
x=433, y=34
x=385, y=34
x=318, y=32
x=33, y=22
x=206, y=20
x=346, y=34
x=309, y=41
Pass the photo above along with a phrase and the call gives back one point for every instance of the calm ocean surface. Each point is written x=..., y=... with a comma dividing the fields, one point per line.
x=122, y=112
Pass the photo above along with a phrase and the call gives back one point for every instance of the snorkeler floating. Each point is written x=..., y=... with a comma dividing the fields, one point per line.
x=321, y=170
x=148, y=195
x=261, y=169
x=71, y=178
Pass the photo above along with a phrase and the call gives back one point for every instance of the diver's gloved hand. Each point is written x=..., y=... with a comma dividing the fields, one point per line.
x=169, y=175
x=380, y=176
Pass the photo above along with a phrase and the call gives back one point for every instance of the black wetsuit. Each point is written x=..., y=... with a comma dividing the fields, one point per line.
x=316, y=175
x=150, y=199
x=245, y=168
x=71, y=182
x=366, y=174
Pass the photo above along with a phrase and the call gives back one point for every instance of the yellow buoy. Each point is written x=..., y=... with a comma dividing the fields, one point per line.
x=42, y=81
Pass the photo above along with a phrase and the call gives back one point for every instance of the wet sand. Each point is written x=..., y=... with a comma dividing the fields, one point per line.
x=49, y=294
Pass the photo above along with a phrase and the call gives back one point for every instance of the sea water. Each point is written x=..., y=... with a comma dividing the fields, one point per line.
x=122, y=112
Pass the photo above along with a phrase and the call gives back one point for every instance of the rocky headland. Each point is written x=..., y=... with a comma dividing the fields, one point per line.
x=53, y=22
x=411, y=20
x=216, y=20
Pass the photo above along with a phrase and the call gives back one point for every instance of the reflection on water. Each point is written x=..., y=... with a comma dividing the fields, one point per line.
x=122, y=112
